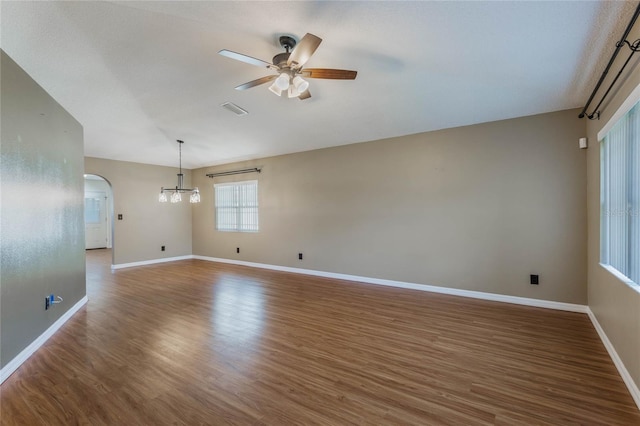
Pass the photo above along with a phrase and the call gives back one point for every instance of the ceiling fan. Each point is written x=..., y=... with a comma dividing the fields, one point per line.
x=288, y=65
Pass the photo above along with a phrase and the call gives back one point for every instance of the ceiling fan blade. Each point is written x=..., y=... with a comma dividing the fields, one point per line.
x=329, y=73
x=244, y=58
x=303, y=50
x=257, y=82
x=304, y=95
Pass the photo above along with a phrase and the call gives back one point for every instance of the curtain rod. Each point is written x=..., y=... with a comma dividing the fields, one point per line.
x=619, y=45
x=235, y=172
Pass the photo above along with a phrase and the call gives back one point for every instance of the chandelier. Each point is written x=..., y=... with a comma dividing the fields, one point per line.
x=176, y=193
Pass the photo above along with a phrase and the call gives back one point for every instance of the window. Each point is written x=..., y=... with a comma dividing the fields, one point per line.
x=620, y=196
x=91, y=210
x=237, y=206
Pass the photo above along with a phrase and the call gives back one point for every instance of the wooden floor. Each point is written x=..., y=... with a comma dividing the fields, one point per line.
x=194, y=342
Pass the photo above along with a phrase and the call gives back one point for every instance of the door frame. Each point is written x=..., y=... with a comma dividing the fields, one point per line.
x=103, y=197
x=109, y=210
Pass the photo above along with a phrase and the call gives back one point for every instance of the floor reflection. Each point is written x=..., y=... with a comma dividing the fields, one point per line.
x=237, y=316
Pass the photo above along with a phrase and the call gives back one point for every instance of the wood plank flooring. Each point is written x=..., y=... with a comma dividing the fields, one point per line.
x=194, y=342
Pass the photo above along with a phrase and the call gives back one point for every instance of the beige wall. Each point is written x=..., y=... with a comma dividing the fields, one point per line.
x=147, y=224
x=477, y=208
x=615, y=304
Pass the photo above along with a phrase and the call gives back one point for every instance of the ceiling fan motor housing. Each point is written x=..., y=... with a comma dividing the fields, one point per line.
x=280, y=60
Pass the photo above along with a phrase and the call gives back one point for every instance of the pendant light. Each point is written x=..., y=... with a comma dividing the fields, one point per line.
x=176, y=193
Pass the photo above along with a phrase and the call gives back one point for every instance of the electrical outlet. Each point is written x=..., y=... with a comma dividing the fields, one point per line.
x=237, y=249
x=300, y=256
x=46, y=303
x=119, y=216
x=534, y=279
x=162, y=248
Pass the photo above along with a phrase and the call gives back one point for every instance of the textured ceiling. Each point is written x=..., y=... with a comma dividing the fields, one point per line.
x=139, y=75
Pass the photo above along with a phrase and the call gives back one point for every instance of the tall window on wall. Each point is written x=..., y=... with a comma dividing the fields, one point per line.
x=237, y=206
x=620, y=197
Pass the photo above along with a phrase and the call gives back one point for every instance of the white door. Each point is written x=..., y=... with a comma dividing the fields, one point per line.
x=95, y=220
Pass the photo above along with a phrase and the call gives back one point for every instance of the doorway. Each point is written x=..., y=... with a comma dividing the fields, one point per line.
x=98, y=213
x=95, y=220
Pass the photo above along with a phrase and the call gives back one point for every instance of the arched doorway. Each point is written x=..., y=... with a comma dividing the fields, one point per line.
x=98, y=213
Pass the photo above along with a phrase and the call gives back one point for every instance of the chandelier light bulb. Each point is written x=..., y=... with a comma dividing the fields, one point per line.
x=176, y=197
x=163, y=197
x=195, y=196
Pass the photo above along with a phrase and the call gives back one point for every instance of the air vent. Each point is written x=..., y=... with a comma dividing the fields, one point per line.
x=234, y=108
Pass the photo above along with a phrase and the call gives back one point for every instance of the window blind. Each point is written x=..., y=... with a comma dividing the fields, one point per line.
x=236, y=206
x=620, y=196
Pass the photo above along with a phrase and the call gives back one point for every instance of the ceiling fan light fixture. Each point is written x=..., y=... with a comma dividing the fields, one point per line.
x=282, y=82
x=300, y=84
x=275, y=89
x=293, y=92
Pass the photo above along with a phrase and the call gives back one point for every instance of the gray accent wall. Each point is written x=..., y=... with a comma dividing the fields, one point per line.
x=146, y=224
x=477, y=208
x=42, y=218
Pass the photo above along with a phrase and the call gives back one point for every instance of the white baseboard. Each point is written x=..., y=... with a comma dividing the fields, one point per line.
x=628, y=380
x=413, y=286
x=35, y=345
x=151, y=262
